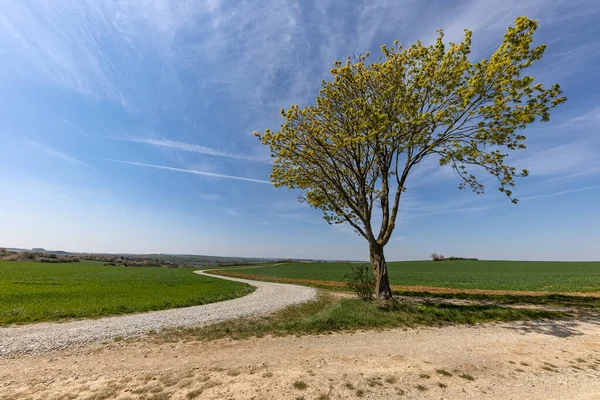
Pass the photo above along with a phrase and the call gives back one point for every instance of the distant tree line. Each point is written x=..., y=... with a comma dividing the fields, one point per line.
x=36, y=256
x=126, y=260
x=440, y=257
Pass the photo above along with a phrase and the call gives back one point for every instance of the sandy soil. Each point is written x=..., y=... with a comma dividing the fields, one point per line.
x=541, y=360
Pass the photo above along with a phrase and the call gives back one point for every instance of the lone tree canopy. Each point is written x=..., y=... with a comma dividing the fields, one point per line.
x=352, y=151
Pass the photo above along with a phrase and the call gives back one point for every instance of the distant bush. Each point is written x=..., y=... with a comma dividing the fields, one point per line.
x=57, y=260
x=361, y=281
x=11, y=257
x=3, y=251
x=28, y=255
x=52, y=256
x=437, y=257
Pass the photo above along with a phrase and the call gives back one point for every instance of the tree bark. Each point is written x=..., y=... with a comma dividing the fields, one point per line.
x=380, y=272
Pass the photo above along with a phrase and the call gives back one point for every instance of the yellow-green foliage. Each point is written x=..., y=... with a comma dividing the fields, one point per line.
x=374, y=121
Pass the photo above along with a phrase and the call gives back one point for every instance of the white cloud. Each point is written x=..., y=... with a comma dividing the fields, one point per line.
x=210, y=197
x=561, y=160
x=57, y=154
x=285, y=206
x=234, y=212
x=561, y=193
x=195, y=148
x=443, y=211
x=74, y=127
x=288, y=215
x=347, y=230
x=590, y=117
x=189, y=171
x=298, y=217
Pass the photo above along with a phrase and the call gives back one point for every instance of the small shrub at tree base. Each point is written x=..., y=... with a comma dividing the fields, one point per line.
x=361, y=281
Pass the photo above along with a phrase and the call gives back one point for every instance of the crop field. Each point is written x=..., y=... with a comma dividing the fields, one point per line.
x=32, y=292
x=539, y=276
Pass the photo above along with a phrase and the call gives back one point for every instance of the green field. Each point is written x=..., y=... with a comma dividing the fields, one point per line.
x=31, y=292
x=488, y=275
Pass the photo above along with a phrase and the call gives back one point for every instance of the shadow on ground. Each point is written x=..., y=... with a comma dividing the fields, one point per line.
x=561, y=328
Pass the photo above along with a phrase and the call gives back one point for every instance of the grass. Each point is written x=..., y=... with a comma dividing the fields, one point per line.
x=540, y=276
x=327, y=314
x=33, y=292
x=373, y=382
x=467, y=377
x=300, y=385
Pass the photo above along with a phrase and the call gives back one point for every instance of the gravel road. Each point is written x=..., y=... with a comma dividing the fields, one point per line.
x=47, y=336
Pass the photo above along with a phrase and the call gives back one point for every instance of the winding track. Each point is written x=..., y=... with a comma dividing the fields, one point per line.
x=48, y=336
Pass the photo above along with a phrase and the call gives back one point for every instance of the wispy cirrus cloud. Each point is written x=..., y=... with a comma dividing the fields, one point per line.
x=567, y=159
x=234, y=212
x=297, y=217
x=590, y=117
x=57, y=153
x=210, y=197
x=442, y=212
x=194, y=148
x=74, y=127
x=188, y=171
x=561, y=193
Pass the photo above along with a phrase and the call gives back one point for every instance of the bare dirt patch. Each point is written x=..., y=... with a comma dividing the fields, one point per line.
x=534, y=360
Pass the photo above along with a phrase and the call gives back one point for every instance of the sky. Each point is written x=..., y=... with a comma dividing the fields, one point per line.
x=126, y=126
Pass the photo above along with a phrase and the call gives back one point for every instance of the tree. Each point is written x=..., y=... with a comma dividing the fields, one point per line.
x=351, y=152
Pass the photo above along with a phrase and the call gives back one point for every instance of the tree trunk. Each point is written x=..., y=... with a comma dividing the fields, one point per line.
x=380, y=272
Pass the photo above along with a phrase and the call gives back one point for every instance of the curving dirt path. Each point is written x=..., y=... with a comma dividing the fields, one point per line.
x=47, y=336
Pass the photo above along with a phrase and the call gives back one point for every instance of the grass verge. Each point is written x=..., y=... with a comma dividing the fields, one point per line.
x=327, y=314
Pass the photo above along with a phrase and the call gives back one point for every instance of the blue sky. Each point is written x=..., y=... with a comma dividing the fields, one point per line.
x=126, y=126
